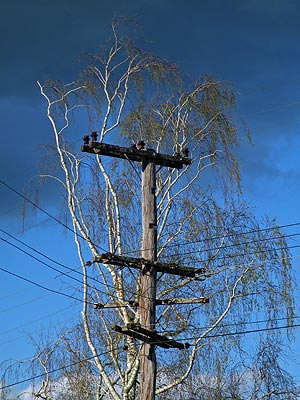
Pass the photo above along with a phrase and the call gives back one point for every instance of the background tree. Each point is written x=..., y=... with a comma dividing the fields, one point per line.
x=127, y=95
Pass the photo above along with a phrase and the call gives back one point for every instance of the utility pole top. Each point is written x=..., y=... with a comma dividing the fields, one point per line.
x=147, y=263
x=135, y=154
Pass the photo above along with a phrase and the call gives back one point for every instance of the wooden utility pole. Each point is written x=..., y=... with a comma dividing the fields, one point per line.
x=148, y=279
x=147, y=264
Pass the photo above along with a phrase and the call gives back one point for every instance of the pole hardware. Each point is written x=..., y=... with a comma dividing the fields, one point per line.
x=134, y=154
x=149, y=336
x=158, y=302
x=147, y=264
x=141, y=263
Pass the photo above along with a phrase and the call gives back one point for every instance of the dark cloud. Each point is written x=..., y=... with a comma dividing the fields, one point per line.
x=254, y=44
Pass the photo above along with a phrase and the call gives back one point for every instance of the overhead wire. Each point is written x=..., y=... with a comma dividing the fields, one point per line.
x=233, y=256
x=225, y=235
x=47, y=213
x=202, y=240
x=56, y=262
x=59, y=368
x=53, y=290
x=183, y=339
x=250, y=331
x=25, y=302
x=234, y=324
x=45, y=256
x=62, y=273
x=51, y=216
x=192, y=329
x=51, y=267
x=227, y=325
x=171, y=245
x=41, y=261
x=233, y=234
x=57, y=292
x=226, y=246
x=73, y=270
x=49, y=258
x=245, y=332
x=34, y=321
x=239, y=233
x=22, y=291
x=41, y=286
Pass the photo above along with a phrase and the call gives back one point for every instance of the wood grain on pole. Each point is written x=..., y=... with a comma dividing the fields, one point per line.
x=148, y=279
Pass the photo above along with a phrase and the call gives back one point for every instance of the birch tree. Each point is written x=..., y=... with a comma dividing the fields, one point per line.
x=126, y=95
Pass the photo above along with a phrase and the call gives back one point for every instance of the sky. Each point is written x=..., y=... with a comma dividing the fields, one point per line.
x=254, y=44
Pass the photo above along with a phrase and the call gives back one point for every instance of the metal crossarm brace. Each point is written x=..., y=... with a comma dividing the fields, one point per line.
x=134, y=154
x=142, y=264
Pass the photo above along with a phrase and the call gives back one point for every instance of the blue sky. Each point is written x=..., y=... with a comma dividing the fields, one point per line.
x=253, y=44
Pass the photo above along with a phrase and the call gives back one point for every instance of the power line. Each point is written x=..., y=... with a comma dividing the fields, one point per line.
x=49, y=289
x=118, y=348
x=11, y=294
x=240, y=244
x=243, y=332
x=202, y=240
x=53, y=268
x=41, y=286
x=240, y=233
x=47, y=213
x=270, y=109
x=171, y=245
x=234, y=234
x=25, y=302
x=235, y=324
x=244, y=323
x=47, y=257
x=32, y=322
x=58, y=263
x=56, y=291
x=31, y=202
x=40, y=261
x=62, y=273
x=53, y=291
x=101, y=291
x=244, y=233
x=59, y=369
x=232, y=256
x=38, y=252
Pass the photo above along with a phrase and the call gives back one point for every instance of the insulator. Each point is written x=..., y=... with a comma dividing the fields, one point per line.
x=86, y=139
x=94, y=136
